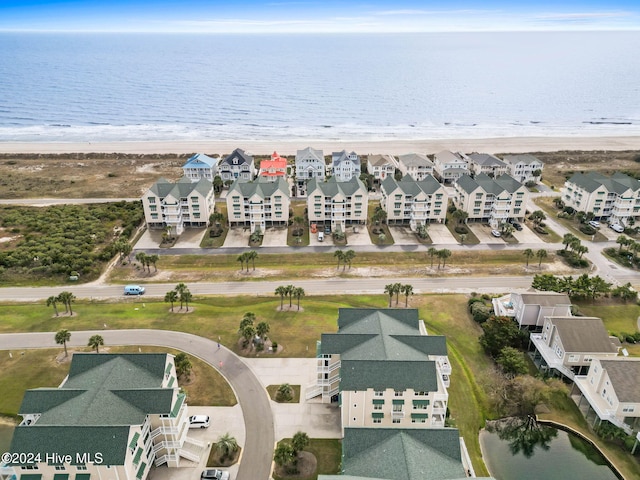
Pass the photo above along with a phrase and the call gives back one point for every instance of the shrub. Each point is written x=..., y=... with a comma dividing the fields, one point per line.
x=461, y=230
x=588, y=229
x=480, y=312
x=473, y=300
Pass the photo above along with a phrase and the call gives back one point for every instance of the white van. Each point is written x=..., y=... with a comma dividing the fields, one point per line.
x=320, y=236
x=133, y=290
x=199, y=421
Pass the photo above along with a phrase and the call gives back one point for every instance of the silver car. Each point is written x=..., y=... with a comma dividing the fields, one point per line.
x=214, y=474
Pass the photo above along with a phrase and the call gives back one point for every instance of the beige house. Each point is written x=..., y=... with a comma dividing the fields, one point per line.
x=337, y=204
x=530, y=309
x=417, y=165
x=384, y=369
x=381, y=167
x=259, y=204
x=448, y=166
x=488, y=164
x=413, y=202
x=615, y=199
x=524, y=168
x=610, y=391
x=178, y=205
x=112, y=418
x=567, y=345
x=492, y=200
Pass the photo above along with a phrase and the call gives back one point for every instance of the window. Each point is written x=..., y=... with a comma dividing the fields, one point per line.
x=574, y=358
x=194, y=199
x=397, y=407
x=152, y=199
x=395, y=420
x=378, y=393
x=153, y=208
x=398, y=393
x=377, y=420
x=377, y=406
x=628, y=409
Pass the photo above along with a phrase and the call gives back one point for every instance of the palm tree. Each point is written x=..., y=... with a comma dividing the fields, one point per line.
x=248, y=333
x=432, y=252
x=141, y=258
x=153, y=259
x=528, y=253
x=299, y=441
x=460, y=216
x=541, y=254
x=622, y=240
x=52, y=300
x=242, y=258
x=290, y=291
x=283, y=454
x=568, y=239
x=187, y=296
x=248, y=319
x=444, y=254
x=226, y=446
x=62, y=337
x=407, y=290
x=397, y=288
x=171, y=297
x=262, y=329
x=282, y=291
x=298, y=292
x=252, y=255
x=285, y=392
x=339, y=254
x=95, y=342
x=349, y=255
x=180, y=289
x=388, y=289
x=67, y=298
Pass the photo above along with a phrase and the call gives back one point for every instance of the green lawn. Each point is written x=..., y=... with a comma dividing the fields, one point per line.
x=328, y=453
x=272, y=390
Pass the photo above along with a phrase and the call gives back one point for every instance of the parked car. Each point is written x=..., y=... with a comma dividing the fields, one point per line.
x=320, y=236
x=616, y=227
x=594, y=224
x=517, y=226
x=496, y=233
x=133, y=290
x=214, y=474
x=327, y=229
x=198, y=421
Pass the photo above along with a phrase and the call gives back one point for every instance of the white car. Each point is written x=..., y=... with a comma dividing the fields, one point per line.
x=496, y=233
x=214, y=474
x=199, y=421
x=594, y=224
x=616, y=227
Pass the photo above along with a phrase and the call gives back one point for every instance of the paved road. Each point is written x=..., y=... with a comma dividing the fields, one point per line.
x=311, y=287
x=256, y=409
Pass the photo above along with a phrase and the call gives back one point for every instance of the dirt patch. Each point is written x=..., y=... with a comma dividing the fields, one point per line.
x=287, y=308
x=306, y=465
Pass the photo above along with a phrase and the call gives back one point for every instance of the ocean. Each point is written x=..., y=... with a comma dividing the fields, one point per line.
x=132, y=87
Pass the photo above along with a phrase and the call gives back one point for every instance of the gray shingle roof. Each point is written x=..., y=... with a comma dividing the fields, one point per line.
x=419, y=375
x=182, y=188
x=332, y=187
x=525, y=158
x=380, y=160
x=545, y=299
x=583, y=334
x=467, y=184
x=240, y=155
x=485, y=159
x=310, y=153
x=262, y=187
x=447, y=156
x=415, y=160
x=591, y=181
x=402, y=454
x=624, y=374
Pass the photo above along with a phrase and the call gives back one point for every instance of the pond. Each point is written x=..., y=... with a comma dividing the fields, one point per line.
x=519, y=449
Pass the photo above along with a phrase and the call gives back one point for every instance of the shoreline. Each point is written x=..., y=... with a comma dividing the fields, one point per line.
x=362, y=147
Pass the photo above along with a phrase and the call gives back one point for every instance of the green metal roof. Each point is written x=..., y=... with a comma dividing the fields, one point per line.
x=419, y=415
x=60, y=476
x=83, y=476
x=420, y=402
x=262, y=188
x=136, y=459
x=134, y=440
x=383, y=374
x=181, y=189
x=378, y=401
x=141, y=470
x=332, y=187
x=377, y=415
x=409, y=186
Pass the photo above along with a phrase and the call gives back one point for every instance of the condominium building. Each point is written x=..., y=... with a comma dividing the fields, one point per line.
x=258, y=204
x=524, y=168
x=412, y=202
x=615, y=199
x=237, y=165
x=381, y=167
x=178, y=205
x=488, y=164
x=337, y=204
x=448, y=166
x=201, y=166
x=112, y=418
x=610, y=392
x=345, y=166
x=385, y=370
x=486, y=199
x=416, y=165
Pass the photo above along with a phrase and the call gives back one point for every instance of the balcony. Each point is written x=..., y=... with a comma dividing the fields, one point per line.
x=439, y=408
x=397, y=414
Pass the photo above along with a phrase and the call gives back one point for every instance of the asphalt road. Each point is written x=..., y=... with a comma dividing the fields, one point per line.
x=311, y=287
x=256, y=409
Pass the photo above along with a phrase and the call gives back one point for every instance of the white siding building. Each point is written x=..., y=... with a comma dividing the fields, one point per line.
x=381, y=167
x=524, y=168
x=416, y=165
x=449, y=166
x=258, y=204
x=345, y=165
x=201, y=166
x=238, y=165
x=337, y=203
x=414, y=203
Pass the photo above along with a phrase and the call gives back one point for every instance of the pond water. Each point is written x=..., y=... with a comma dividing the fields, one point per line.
x=525, y=453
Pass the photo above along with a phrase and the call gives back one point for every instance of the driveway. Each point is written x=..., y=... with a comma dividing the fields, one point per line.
x=526, y=235
x=237, y=237
x=358, y=235
x=440, y=234
x=253, y=400
x=152, y=238
x=403, y=235
x=483, y=232
x=275, y=237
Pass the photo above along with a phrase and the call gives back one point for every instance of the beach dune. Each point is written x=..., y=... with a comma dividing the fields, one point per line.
x=363, y=147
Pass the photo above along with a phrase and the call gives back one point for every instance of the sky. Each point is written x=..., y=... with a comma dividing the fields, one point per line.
x=316, y=16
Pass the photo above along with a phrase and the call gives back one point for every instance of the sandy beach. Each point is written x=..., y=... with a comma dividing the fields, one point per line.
x=395, y=147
